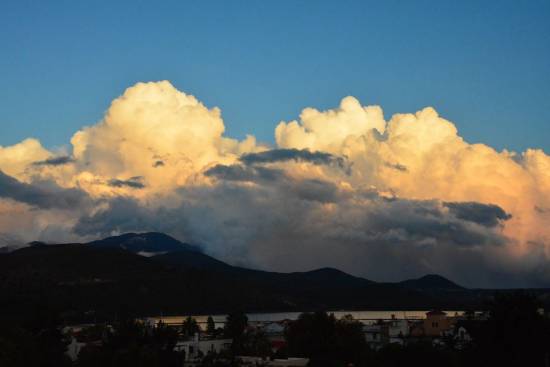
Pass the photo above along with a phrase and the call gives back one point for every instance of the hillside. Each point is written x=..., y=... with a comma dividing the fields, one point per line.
x=87, y=280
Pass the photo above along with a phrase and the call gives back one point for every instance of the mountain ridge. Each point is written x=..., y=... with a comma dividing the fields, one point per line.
x=80, y=280
x=169, y=250
x=431, y=282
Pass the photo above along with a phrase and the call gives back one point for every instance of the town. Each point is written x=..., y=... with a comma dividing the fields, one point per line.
x=197, y=342
x=314, y=339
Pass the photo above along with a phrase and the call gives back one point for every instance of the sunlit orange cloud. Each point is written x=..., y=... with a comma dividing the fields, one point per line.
x=155, y=144
x=421, y=156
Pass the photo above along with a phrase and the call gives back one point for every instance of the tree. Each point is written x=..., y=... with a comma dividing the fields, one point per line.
x=235, y=326
x=257, y=344
x=190, y=326
x=210, y=326
x=325, y=340
x=313, y=336
x=351, y=344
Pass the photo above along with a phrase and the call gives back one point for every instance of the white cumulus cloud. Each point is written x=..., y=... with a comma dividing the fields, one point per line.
x=385, y=199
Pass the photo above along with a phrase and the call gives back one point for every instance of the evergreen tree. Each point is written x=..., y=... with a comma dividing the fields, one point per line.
x=210, y=326
x=190, y=326
x=235, y=327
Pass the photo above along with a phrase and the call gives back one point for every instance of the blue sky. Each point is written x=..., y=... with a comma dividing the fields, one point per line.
x=483, y=65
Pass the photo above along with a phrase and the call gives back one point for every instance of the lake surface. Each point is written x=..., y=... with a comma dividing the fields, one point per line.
x=363, y=316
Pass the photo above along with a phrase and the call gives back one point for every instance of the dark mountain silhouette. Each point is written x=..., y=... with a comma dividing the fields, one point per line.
x=84, y=281
x=431, y=282
x=145, y=243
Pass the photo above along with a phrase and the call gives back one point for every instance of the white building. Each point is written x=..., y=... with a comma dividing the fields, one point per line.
x=386, y=332
x=398, y=330
x=376, y=335
x=196, y=348
x=460, y=336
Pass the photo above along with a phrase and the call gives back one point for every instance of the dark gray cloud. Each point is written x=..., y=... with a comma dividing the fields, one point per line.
x=487, y=215
x=540, y=210
x=285, y=224
x=314, y=190
x=276, y=179
x=55, y=161
x=284, y=155
x=402, y=220
x=158, y=163
x=44, y=195
x=422, y=221
x=133, y=182
x=239, y=172
x=252, y=170
x=397, y=166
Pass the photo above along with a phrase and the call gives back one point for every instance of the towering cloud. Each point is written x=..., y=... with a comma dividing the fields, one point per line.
x=341, y=188
x=433, y=161
x=155, y=132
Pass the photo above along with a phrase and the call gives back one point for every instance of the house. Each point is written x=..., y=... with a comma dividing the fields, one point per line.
x=376, y=335
x=436, y=324
x=196, y=348
x=465, y=331
x=398, y=330
x=462, y=336
x=275, y=333
x=274, y=328
x=386, y=332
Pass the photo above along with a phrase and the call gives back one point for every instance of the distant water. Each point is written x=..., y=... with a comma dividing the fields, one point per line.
x=363, y=316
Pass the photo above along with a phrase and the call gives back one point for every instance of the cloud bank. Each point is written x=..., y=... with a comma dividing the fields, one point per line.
x=344, y=188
